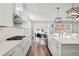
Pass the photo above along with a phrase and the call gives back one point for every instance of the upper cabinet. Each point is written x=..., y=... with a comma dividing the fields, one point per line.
x=6, y=14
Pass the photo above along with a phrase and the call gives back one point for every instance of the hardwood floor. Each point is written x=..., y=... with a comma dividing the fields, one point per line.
x=38, y=48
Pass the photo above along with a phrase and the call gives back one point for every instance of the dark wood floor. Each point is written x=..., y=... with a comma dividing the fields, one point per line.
x=38, y=49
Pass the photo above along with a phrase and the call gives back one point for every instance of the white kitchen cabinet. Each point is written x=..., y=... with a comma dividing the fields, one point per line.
x=24, y=52
x=30, y=37
x=19, y=50
x=6, y=14
x=50, y=48
x=70, y=50
x=53, y=46
x=50, y=43
x=26, y=45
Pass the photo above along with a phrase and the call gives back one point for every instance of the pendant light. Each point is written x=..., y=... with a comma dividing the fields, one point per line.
x=73, y=12
x=58, y=18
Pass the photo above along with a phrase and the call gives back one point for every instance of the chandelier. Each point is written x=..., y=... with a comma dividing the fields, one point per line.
x=73, y=12
x=58, y=18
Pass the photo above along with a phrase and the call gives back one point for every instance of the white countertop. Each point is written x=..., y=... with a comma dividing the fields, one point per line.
x=6, y=46
x=67, y=40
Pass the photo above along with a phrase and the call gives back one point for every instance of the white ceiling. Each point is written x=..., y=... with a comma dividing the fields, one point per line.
x=47, y=11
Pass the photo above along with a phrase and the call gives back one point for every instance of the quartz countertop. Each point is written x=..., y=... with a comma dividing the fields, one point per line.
x=68, y=40
x=72, y=39
x=6, y=46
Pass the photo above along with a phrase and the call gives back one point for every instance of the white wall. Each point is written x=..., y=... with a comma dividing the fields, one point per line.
x=40, y=25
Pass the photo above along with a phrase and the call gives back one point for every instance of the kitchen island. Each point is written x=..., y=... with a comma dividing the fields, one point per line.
x=63, y=46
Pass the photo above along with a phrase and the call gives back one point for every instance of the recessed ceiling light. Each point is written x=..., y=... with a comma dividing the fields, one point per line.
x=36, y=9
x=19, y=9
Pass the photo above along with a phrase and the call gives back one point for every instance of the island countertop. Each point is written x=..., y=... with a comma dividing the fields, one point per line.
x=67, y=40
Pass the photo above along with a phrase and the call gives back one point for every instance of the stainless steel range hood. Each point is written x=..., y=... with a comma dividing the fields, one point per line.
x=17, y=19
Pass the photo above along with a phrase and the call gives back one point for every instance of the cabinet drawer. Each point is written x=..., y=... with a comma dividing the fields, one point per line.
x=70, y=50
x=70, y=53
x=70, y=47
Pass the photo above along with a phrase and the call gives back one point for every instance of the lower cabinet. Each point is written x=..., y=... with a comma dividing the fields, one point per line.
x=70, y=50
x=26, y=45
x=19, y=50
x=53, y=46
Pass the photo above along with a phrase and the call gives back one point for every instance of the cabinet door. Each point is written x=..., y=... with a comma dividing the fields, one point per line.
x=28, y=43
x=70, y=50
x=50, y=47
x=19, y=50
x=6, y=14
x=30, y=37
x=24, y=47
x=49, y=43
x=59, y=49
x=54, y=47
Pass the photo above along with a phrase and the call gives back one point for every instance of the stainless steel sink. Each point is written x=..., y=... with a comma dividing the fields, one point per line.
x=16, y=38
